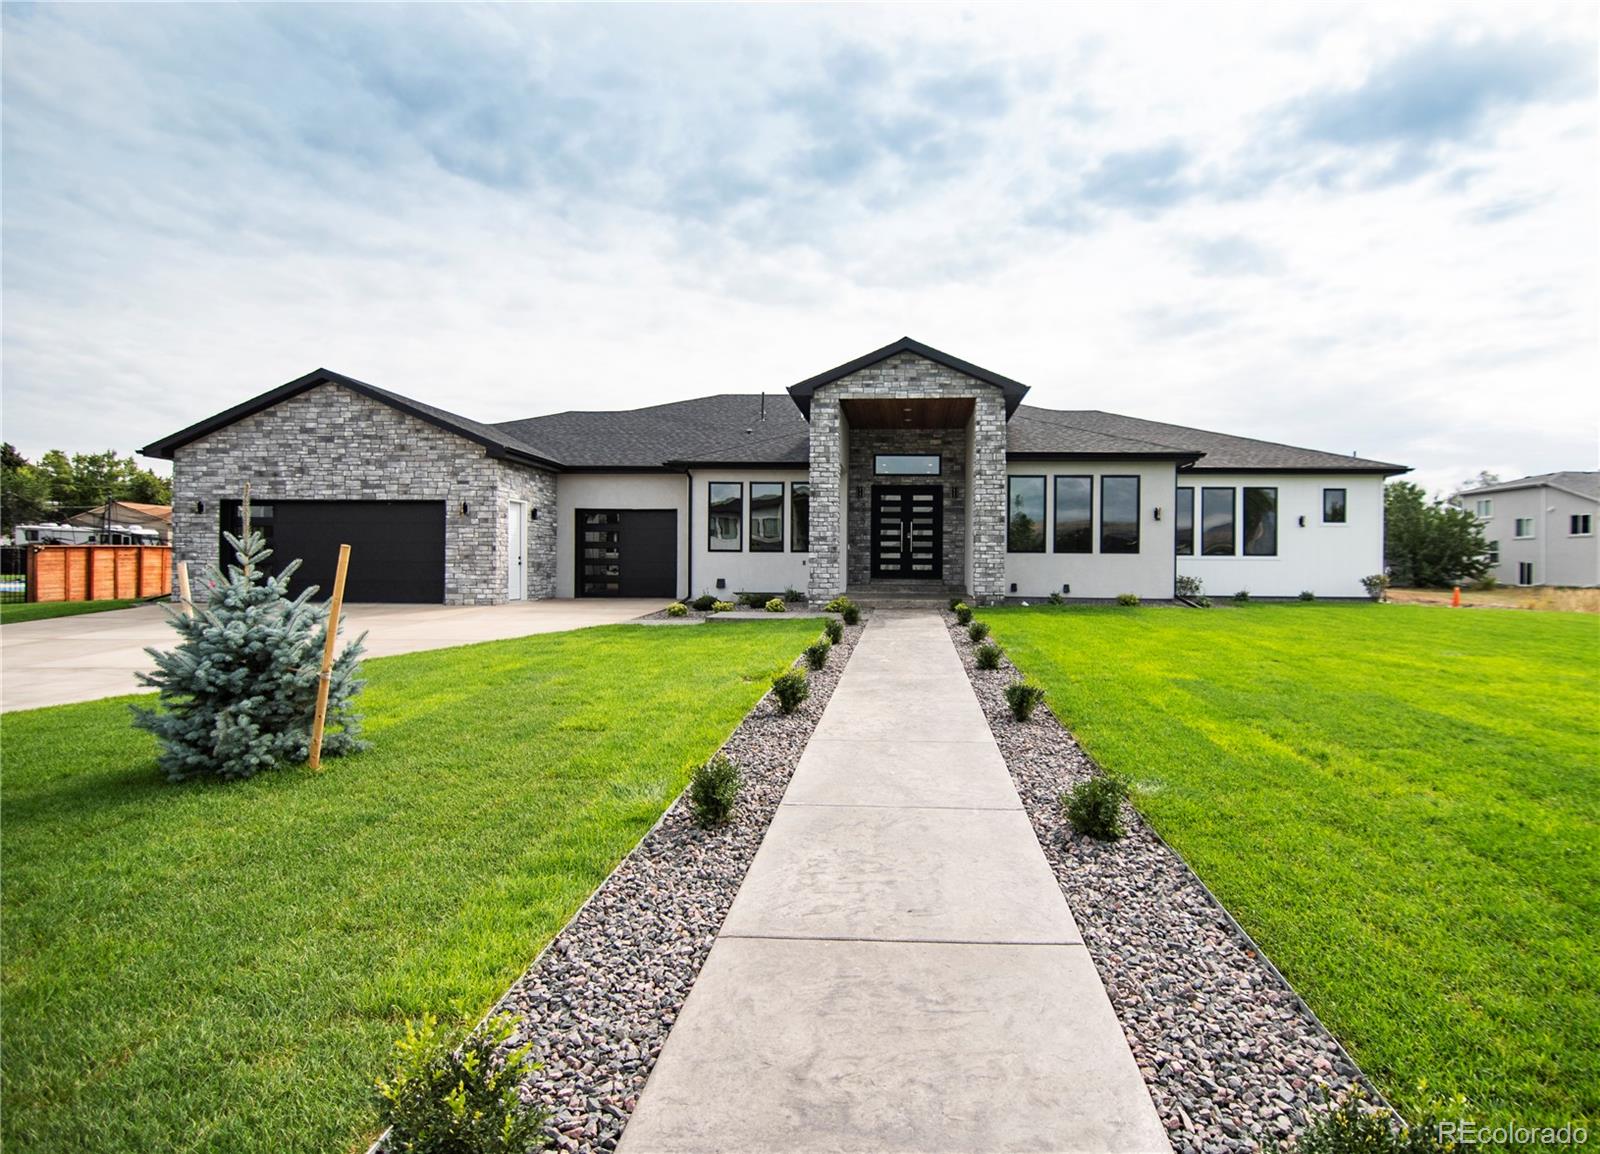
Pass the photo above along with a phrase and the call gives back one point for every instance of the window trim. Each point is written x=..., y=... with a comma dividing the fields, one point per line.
x=1244, y=543
x=750, y=518
x=1177, y=503
x=793, y=485
x=1487, y=513
x=1044, y=496
x=1344, y=505
x=711, y=542
x=1138, y=514
x=1574, y=518
x=1525, y=567
x=1233, y=519
x=1054, y=495
x=937, y=457
x=1516, y=528
x=1492, y=551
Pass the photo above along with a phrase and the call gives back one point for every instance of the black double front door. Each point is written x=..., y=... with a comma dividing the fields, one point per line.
x=907, y=532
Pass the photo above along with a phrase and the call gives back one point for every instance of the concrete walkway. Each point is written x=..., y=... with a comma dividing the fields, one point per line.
x=899, y=971
x=95, y=655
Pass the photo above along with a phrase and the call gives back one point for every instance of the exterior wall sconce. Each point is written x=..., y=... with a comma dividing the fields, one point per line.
x=1302, y=520
x=463, y=508
x=722, y=583
x=1157, y=512
x=1013, y=587
x=533, y=512
x=199, y=506
x=1066, y=588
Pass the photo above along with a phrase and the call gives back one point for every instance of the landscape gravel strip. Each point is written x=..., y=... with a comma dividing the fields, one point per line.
x=599, y=1000
x=1232, y=1055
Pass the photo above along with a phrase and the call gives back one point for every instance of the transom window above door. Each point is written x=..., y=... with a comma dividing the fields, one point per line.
x=906, y=464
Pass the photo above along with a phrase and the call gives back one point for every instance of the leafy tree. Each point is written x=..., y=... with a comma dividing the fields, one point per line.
x=24, y=491
x=59, y=485
x=1483, y=478
x=1430, y=542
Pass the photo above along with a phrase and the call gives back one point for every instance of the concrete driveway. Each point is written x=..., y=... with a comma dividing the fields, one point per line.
x=97, y=654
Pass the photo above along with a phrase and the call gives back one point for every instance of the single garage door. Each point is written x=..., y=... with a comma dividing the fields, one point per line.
x=627, y=553
x=396, y=547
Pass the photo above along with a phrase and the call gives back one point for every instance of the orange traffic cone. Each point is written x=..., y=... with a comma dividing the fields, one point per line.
x=1455, y=598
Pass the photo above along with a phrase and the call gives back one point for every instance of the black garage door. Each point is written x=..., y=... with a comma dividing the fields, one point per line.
x=627, y=553
x=396, y=547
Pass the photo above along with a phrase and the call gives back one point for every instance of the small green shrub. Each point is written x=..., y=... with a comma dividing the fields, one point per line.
x=791, y=689
x=1354, y=1126
x=978, y=630
x=833, y=630
x=988, y=655
x=442, y=1101
x=1056, y=598
x=1307, y=595
x=1242, y=596
x=963, y=613
x=777, y=605
x=793, y=596
x=1186, y=587
x=722, y=607
x=1376, y=585
x=1094, y=807
x=954, y=601
x=1024, y=697
x=1203, y=602
x=677, y=609
x=1127, y=599
x=752, y=600
x=704, y=602
x=817, y=654
x=851, y=613
x=713, y=791
x=838, y=605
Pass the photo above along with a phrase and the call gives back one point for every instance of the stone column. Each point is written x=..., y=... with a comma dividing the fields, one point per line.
x=987, y=502
x=827, y=501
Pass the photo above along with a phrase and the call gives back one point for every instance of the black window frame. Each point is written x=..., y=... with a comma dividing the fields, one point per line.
x=750, y=517
x=1055, y=518
x=1492, y=550
x=1245, y=542
x=1177, y=521
x=795, y=544
x=1524, y=572
x=936, y=458
x=1138, y=514
x=1233, y=521
x=1044, y=500
x=1344, y=507
x=1585, y=520
x=712, y=545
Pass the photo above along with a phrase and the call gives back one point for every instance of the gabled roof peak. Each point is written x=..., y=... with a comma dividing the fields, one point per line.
x=1014, y=391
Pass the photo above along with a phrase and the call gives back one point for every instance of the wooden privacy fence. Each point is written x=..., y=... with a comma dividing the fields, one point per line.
x=98, y=572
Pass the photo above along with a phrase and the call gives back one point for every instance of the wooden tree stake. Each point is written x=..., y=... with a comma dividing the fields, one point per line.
x=327, y=657
x=183, y=588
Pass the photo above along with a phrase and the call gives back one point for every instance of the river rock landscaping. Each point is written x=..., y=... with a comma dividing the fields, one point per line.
x=600, y=1000
x=1232, y=1056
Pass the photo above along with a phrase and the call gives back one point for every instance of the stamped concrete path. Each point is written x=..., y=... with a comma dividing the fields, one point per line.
x=899, y=971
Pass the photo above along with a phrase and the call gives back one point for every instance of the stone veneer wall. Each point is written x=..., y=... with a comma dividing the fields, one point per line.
x=951, y=444
x=333, y=443
x=906, y=375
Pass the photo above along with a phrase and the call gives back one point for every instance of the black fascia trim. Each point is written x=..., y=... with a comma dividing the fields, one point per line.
x=166, y=446
x=1036, y=455
x=1386, y=470
x=670, y=468
x=1014, y=390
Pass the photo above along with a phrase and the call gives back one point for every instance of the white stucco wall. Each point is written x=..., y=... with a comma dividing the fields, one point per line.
x=1328, y=560
x=1147, y=572
x=576, y=491
x=1557, y=555
x=744, y=570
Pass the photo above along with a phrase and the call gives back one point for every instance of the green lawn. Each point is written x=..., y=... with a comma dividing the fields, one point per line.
x=224, y=967
x=14, y=611
x=1401, y=804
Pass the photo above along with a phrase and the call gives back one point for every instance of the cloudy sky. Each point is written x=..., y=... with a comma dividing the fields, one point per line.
x=1364, y=229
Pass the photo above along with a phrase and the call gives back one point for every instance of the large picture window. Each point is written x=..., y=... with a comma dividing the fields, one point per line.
x=1260, y=522
x=1074, y=514
x=800, y=516
x=1119, y=514
x=725, y=515
x=766, y=516
x=1333, y=506
x=1216, y=522
x=1025, y=515
x=1183, y=523
x=906, y=464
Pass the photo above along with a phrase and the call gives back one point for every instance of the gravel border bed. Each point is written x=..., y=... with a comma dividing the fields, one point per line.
x=599, y=1000
x=1232, y=1055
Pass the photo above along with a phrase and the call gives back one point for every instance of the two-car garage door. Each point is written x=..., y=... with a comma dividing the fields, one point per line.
x=396, y=547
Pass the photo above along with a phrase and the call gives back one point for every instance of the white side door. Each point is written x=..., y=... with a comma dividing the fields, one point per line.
x=516, y=551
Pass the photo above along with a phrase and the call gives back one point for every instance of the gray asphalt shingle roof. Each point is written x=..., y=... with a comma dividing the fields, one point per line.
x=1584, y=484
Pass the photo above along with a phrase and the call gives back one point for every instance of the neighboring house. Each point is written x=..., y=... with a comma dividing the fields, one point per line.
x=1540, y=529
x=904, y=469
x=156, y=518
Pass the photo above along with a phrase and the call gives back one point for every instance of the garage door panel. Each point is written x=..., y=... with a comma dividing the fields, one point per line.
x=627, y=553
x=396, y=547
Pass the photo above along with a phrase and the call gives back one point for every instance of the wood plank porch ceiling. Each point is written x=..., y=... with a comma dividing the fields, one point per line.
x=907, y=412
